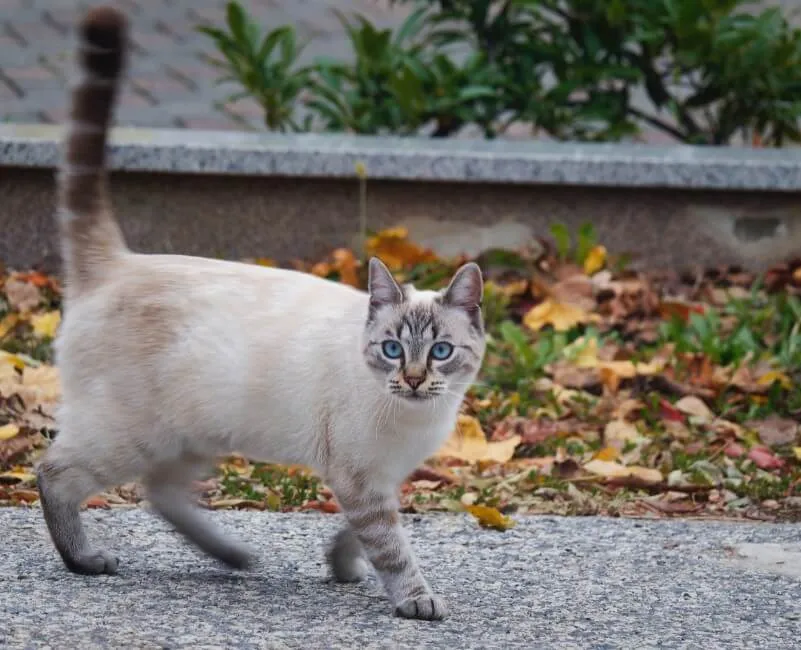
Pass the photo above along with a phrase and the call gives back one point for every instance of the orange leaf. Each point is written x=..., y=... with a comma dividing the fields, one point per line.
x=490, y=517
x=393, y=247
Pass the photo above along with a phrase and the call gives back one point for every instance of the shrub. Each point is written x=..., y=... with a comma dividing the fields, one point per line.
x=710, y=71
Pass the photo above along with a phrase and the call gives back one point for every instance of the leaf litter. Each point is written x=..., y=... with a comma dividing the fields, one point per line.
x=605, y=390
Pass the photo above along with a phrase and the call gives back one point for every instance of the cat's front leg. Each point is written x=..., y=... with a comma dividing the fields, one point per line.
x=374, y=521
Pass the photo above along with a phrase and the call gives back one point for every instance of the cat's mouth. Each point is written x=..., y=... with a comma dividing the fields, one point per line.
x=418, y=397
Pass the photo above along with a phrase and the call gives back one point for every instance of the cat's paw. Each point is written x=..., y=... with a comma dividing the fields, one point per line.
x=426, y=608
x=345, y=558
x=92, y=563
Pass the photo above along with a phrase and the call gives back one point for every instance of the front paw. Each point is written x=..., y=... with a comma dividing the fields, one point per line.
x=92, y=563
x=425, y=608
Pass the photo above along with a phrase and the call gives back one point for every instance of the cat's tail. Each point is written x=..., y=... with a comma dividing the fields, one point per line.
x=91, y=239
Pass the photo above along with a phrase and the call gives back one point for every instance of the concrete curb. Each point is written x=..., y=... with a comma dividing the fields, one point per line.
x=422, y=159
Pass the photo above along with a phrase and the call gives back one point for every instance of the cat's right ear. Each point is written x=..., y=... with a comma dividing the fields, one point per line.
x=381, y=286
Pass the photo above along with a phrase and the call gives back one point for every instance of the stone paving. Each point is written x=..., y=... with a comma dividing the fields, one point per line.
x=170, y=84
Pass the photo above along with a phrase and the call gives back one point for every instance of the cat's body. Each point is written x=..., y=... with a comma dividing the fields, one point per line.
x=168, y=362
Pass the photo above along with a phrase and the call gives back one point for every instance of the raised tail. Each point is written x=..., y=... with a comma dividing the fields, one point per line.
x=91, y=239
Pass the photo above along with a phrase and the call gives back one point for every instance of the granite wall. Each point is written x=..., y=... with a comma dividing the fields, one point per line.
x=241, y=216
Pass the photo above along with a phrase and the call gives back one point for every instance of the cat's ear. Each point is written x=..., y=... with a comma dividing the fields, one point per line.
x=381, y=285
x=466, y=290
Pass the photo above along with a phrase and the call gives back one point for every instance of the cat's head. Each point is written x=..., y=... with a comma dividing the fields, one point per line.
x=424, y=344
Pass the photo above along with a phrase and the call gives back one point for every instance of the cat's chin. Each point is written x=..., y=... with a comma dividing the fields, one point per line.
x=416, y=398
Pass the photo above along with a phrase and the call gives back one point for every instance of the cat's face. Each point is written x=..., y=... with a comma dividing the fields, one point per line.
x=424, y=344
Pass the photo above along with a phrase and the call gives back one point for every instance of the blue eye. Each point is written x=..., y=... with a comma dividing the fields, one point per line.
x=392, y=349
x=441, y=351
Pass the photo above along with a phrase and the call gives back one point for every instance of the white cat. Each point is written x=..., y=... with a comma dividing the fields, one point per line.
x=169, y=362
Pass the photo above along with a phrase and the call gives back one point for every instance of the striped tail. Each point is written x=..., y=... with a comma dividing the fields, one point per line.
x=91, y=239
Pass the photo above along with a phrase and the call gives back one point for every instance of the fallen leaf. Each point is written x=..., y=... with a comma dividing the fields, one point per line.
x=669, y=309
x=468, y=443
x=22, y=296
x=772, y=376
x=612, y=470
x=45, y=325
x=670, y=412
x=561, y=317
x=765, y=459
x=488, y=517
x=620, y=432
x=8, y=323
x=17, y=475
x=774, y=430
x=8, y=431
x=797, y=452
x=695, y=406
x=607, y=453
x=393, y=247
x=595, y=260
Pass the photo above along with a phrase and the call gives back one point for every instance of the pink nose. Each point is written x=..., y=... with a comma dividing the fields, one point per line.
x=414, y=380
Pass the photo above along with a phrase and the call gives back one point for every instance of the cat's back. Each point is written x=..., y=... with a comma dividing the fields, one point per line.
x=159, y=304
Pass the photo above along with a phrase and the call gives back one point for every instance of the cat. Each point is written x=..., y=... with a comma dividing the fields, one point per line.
x=169, y=362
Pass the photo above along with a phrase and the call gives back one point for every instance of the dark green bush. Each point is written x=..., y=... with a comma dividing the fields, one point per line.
x=708, y=70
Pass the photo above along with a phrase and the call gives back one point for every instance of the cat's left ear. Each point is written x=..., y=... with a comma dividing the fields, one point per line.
x=466, y=291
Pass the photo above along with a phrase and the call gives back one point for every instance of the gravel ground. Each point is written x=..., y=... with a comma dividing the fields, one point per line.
x=547, y=583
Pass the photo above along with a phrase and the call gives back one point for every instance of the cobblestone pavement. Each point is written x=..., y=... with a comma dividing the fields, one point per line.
x=170, y=84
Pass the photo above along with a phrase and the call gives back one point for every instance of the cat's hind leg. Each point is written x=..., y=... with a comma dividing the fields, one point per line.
x=169, y=494
x=65, y=480
x=346, y=557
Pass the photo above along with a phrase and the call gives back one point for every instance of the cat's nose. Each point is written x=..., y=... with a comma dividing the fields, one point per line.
x=414, y=381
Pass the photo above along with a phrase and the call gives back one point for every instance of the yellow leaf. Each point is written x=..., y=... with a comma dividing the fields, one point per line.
x=393, y=247
x=595, y=260
x=609, y=469
x=561, y=316
x=8, y=431
x=587, y=357
x=361, y=170
x=775, y=375
x=797, y=452
x=607, y=453
x=490, y=517
x=468, y=443
x=45, y=325
x=11, y=360
x=18, y=475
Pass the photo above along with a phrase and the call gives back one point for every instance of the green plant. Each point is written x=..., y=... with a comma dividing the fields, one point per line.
x=266, y=67
x=566, y=249
x=710, y=70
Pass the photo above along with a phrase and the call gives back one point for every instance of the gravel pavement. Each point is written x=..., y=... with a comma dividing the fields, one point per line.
x=547, y=583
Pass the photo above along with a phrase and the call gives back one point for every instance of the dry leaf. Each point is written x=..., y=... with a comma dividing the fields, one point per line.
x=468, y=443
x=22, y=296
x=612, y=470
x=618, y=433
x=774, y=376
x=595, y=260
x=8, y=431
x=561, y=316
x=17, y=475
x=695, y=406
x=775, y=431
x=607, y=453
x=393, y=247
x=490, y=517
x=45, y=325
x=8, y=323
